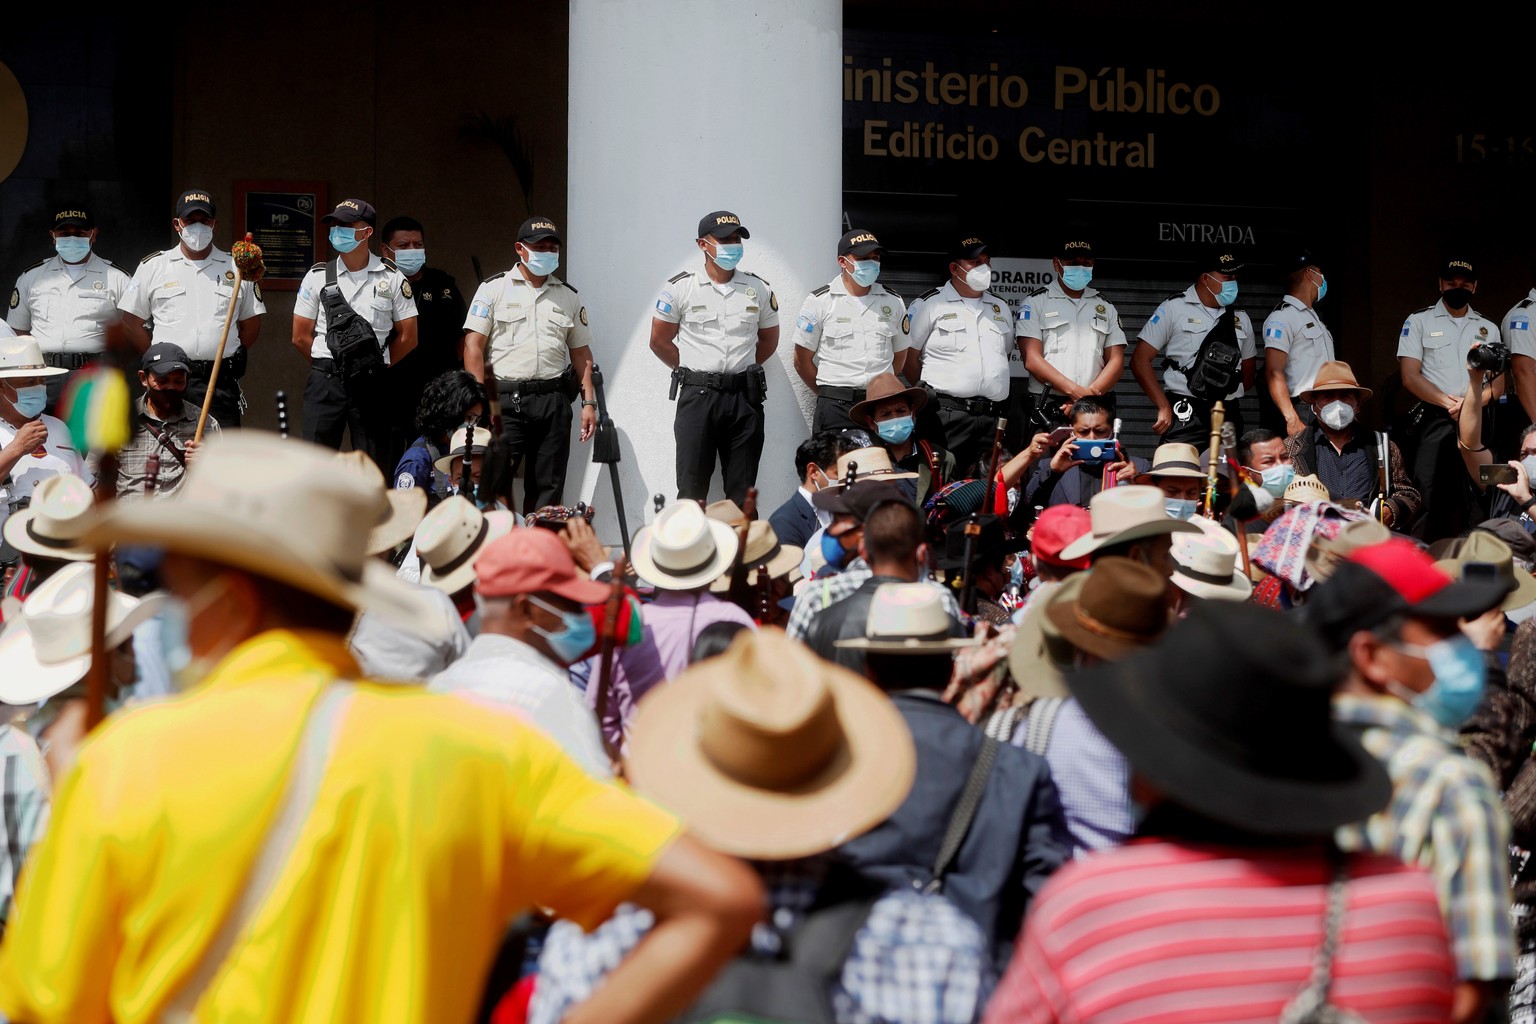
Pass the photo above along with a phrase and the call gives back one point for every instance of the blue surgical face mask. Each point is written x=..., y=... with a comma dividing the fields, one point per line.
x=865, y=272
x=895, y=431
x=727, y=254
x=72, y=249
x=1278, y=477
x=1180, y=508
x=31, y=401
x=575, y=637
x=1016, y=574
x=410, y=261
x=1076, y=278
x=1228, y=293
x=343, y=239
x=832, y=550
x=1460, y=675
x=174, y=637
x=542, y=264
x=1322, y=287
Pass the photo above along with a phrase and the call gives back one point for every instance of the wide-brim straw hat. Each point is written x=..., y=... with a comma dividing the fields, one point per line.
x=1208, y=564
x=770, y=752
x=1121, y=607
x=22, y=356
x=481, y=442
x=452, y=536
x=52, y=526
x=1039, y=655
x=1305, y=489
x=907, y=618
x=763, y=547
x=683, y=549
x=406, y=505
x=47, y=649
x=883, y=387
x=871, y=464
x=1334, y=375
x=1176, y=459
x=275, y=508
x=1483, y=547
x=1121, y=515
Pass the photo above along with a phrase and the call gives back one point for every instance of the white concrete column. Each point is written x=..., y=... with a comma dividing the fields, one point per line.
x=678, y=108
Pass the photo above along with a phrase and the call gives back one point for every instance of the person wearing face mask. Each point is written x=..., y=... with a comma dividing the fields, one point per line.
x=850, y=331
x=715, y=328
x=1296, y=341
x=794, y=521
x=440, y=312
x=1176, y=472
x=186, y=292
x=33, y=446
x=1432, y=358
x=961, y=335
x=1176, y=332
x=1346, y=455
x=526, y=334
x=889, y=411
x=1074, y=346
x=164, y=427
x=338, y=401
x=1065, y=479
x=68, y=300
x=1413, y=678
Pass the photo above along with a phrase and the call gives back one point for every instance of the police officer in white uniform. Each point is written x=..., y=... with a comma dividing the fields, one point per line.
x=185, y=291
x=1296, y=341
x=33, y=446
x=715, y=327
x=1432, y=358
x=961, y=335
x=1074, y=346
x=528, y=329
x=379, y=294
x=1519, y=335
x=67, y=300
x=849, y=332
x=1175, y=332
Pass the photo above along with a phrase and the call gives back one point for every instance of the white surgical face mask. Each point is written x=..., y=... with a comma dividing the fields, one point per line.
x=196, y=236
x=1336, y=415
x=979, y=277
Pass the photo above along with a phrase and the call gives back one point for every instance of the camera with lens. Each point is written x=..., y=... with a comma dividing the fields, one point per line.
x=1490, y=358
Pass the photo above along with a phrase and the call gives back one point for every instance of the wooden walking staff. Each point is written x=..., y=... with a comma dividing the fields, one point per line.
x=248, y=267
x=1218, y=417
x=605, y=661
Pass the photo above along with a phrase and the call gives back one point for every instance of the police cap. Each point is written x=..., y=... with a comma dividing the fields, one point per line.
x=858, y=242
x=1458, y=268
x=720, y=224
x=535, y=228
x=968, y=248
x=1299, y=259
x=1075, y=248
x=1221, y=261
x=76, y=215
x=350, y=211
x=194, y=200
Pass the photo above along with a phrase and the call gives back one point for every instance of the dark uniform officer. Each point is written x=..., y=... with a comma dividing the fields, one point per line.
x=185, y=292
x=381, y=296
x=528, y=329
x=714, y=329
x=440, y=312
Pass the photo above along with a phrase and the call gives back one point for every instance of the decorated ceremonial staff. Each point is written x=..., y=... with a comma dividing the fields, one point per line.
x=249, y=268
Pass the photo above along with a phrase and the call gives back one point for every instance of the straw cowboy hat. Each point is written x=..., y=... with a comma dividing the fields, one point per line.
x=452, y=536
x=683, y=549
x=770, y=752
x=1306, y=489
x=1121, y=515
x=53, y=524
x=482, y=441
x=406, y=505
x=763, y=546
x=48, y=648
x=1208, y=564
x=1120, y=608
x=881, y=388
x=907, y=618
x=22, y=356
x=1334, y=376
x=1497, y=560
x=873, y=464
x=276, y=508
x=1176, y=460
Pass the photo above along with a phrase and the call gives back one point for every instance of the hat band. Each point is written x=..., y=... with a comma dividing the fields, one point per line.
x=1173, y=465
x=49, y=542
x=687, y=570
x=26, y=366
x=937, y=636
x=1205, y=577
x=1108, y=632
x=458, y=560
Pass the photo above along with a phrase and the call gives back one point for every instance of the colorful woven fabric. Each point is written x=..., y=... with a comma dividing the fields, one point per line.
x=95, y=406
x=954, y=501
x=1283, y=550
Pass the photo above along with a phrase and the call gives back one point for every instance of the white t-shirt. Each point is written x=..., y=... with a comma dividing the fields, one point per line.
x=58, y=456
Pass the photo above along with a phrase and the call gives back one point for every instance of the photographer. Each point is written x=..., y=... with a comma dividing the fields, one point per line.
x=1071, y=479
x=1507, y=495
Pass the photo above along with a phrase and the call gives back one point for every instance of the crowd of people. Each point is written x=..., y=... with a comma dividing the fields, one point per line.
x=973, y=727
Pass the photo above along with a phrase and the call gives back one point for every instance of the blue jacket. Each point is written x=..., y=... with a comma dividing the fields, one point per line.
x=794, y=521
x=1076, y=486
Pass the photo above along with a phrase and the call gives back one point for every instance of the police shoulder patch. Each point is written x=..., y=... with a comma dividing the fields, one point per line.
x=404, y=481
x=583, y=316
x=256, y=287
x=822, y=290
x=906, y=324
x=773, y=301
x=15, y=297
x=678, y=277
x=405, y=288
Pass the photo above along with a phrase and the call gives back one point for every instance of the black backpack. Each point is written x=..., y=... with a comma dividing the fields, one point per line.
x=1218, y=366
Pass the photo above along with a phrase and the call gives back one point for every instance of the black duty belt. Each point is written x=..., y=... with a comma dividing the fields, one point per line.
x=974, y=406
x=531, y=387
x=717, y=381
x=229, y=366
x=838, y=394
x=69, y=360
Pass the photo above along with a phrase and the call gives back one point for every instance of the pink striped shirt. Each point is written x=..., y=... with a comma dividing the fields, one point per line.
x=1157, y=933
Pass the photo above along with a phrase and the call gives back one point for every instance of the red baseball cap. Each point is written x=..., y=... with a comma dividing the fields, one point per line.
x=532, y=560
x=1055, y=528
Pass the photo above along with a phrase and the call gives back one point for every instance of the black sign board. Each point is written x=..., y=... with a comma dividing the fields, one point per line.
x=283, y=218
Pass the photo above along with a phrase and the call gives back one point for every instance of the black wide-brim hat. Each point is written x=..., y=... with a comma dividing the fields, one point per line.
x=1230, y=716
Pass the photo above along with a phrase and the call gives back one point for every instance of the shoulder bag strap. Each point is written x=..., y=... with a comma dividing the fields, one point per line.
x=1042, y=719
x=964, y=814
x=314, y=754
x=165, y=441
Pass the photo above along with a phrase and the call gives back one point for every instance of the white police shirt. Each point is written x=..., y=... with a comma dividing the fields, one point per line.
x=1518, y=334
x=1440, y=342
x=964, y=342
x=56, y=457
x=853, y=338
x=531, y=330
x=1074, y=334
x=67, y=307
x=378, y=293
x=188, y=300
x=1295, y=329
x=717, y=324
x=1176, y=329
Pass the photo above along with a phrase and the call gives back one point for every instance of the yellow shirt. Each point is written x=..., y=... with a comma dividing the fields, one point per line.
x=437, y=821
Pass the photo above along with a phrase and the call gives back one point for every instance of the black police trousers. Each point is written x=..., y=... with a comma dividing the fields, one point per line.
x=225, y=408
x=710, y=425
x=333, y=408
x=537, y=432
x=1438, y=472
x=832, y=414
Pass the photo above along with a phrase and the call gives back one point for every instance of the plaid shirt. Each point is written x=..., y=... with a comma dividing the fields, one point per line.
x=917, y=959
x=823, y=593
x=1445, y=816
x=26, y=806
